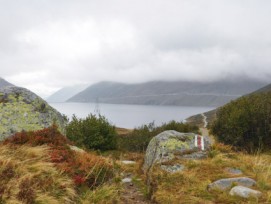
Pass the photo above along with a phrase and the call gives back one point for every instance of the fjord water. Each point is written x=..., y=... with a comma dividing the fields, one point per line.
x=130, y=116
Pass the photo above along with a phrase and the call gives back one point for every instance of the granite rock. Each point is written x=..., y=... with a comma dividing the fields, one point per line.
x=170, y=145
x=225, y=184
x=244, y=192
x=20, y=109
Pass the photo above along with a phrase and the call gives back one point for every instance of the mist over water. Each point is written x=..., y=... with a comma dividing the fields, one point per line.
x=130, y=116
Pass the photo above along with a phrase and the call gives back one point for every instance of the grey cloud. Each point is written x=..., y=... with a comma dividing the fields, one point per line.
x=45, y=45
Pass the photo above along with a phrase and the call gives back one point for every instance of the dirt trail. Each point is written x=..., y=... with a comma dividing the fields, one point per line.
x=132, y=195
x=205, y=132
x=133, y=186
x=205, y=123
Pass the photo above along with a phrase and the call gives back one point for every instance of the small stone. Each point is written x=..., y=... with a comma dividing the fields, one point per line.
x=76, y=149
x=234, y=171
x=244, y=192
x=224, y=184
x=126, y=180
x=127, y=162
x=128, y=174
x=172, y=169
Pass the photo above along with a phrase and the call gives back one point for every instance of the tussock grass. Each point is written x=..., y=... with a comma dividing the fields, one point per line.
x=27, y=176
x=103, y=194
x=190, y=186
x=40, y=167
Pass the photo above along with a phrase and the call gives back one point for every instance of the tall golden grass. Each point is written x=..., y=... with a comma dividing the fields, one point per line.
x=27, y=176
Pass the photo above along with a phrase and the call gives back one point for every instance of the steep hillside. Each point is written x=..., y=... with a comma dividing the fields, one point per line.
x=245, y=122
x=265, y=89
x=167, y=93
x=65, y=93
x=4, y=83
x=211, y=115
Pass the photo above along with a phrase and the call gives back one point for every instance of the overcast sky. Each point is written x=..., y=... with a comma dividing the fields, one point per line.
x=49, y=44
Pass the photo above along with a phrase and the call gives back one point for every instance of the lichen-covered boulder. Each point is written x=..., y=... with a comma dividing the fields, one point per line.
x=171, y=144
x=20, y=109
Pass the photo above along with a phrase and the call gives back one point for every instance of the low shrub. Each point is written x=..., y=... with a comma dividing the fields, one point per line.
x=49, y=136
x=139, y=138
x=93, y=132
x=245, y=123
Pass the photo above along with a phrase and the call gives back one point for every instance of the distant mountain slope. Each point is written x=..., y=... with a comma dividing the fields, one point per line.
x=167, y=93
x=65, y=93
x=4, y=83
x=211, y=115
x=264, y=89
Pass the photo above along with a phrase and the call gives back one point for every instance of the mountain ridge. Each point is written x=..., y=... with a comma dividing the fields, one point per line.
x=65, y=93
x=183, y=93
x=211, y=115
x=4, y=83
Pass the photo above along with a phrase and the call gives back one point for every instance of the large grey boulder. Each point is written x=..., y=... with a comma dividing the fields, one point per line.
x=244, y=192
x=170, y=145
x=20, y=109
x=225, y=184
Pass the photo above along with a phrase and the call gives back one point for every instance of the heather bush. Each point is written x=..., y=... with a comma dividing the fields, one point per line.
x=50, y=136
x=93, y=132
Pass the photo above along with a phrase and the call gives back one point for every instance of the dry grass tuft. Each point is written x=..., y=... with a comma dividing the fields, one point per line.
x=27, y=176
x=103, y=194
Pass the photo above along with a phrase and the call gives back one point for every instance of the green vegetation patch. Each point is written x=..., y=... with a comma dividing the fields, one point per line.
x=139, y=138
x=93, y=132
x=245, y=123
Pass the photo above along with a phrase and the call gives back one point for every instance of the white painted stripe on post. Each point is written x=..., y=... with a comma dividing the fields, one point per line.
x=202, y=143
x=196, y=140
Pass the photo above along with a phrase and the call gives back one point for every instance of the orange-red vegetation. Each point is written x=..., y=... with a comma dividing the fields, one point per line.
x=86, y=169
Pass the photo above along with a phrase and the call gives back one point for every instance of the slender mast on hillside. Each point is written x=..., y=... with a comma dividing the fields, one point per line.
x=97, y=107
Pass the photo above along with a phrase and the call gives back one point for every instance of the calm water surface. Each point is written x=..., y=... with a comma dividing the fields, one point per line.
x=130, y=116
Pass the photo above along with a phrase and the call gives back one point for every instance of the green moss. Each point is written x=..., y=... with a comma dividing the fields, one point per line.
x=17, y=115
x=172, y=144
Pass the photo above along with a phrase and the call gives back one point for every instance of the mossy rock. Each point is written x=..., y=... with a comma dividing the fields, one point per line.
x=171, y=145
x=20, y=109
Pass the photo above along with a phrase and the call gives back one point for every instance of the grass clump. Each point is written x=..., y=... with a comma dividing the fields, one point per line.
x=86, y=169
x=102, y=194
x=27, y=176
